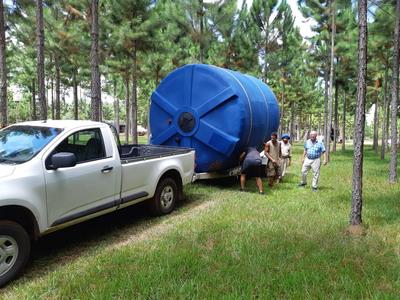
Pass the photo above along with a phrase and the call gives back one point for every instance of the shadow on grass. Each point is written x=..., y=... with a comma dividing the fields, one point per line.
x=66, y=245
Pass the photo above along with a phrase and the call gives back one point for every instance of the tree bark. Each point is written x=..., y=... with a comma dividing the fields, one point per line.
x=281, y=127
x=127, y=110
x=33, y=110
x=385, y=116
x=387, y=126
x=326, y=132
x=331, y=79
x=40, y=60
x=292, y=115
x=3, y=72
x=75, y=88
x=52, y=99
x=336, y=121
x=395, y=96
x=298, y=121
x=201, y=32
x=58, y=83
x=344, y=122
x=116, y=106
x=134, y=97
x=201, y=40
x=94, y=62
x=319, y=123
x=356, y=207
x=385, y=121
x=376, y=125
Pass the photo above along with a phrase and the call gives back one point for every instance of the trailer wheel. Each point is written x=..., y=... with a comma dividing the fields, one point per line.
x=165, y=197
x=15, y=248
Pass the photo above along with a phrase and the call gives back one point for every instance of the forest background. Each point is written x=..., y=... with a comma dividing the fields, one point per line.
x=141, y=41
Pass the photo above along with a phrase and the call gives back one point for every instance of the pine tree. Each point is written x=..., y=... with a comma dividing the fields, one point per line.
x=395, y=96
x=40, y=59
x=3, y=71
x=320, y=12
x=95, y=61
x=22, y=64
x=267, y=36
x=357, y=189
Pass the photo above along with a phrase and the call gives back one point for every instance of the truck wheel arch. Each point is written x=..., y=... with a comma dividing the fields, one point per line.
x=16, y=246
x=22, y=216
x=168, y=192
x=176, y=176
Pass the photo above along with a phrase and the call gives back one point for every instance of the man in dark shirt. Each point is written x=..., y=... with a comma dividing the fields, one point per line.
x=251, y=166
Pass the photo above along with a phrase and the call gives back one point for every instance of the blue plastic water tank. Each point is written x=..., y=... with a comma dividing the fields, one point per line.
x=216, y=111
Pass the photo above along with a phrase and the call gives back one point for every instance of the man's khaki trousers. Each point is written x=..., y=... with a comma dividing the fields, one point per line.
x=315, y=165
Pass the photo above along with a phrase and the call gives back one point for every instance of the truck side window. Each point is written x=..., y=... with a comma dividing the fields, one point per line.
x=116, y=137
x=86, y=144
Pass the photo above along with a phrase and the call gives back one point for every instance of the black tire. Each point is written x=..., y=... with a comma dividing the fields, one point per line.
x=165, y=197
x=15, y=247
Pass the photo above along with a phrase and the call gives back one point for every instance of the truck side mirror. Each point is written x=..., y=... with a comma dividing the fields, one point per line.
x=62, y=160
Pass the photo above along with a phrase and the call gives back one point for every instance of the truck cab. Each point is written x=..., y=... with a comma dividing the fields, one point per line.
x=54, y=174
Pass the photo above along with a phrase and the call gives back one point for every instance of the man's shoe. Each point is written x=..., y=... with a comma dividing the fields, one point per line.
x=302, y=185
x=261, y=192
x=314, y=189
x=241, y=190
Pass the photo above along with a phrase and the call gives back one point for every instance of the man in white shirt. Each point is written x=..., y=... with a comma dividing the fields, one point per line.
x=286, y=153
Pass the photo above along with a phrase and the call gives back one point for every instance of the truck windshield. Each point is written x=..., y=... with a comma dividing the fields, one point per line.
x=19, y=144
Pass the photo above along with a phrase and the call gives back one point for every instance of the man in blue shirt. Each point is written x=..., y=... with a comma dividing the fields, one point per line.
x=313, y=149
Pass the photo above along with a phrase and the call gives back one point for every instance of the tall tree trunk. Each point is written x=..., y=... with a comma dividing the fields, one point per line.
x=344, y=122
x=52, y=99
x=33, y=110
x=201, y=40
x=116, y=106
x=356, y=207
x=75, y=87
x=58, y=83
x=94, y=62
x=319, y=123
x=292, y=115
x=395, y=96
x=336, y=122
x=326, y=131
x=376, y=125
x=40, y=59
x=127, y=110
x=331, y=75
x=387, y=126
x=3, y=72
x=281, y=127
x=298, y=121
x=384, y=116
x=134, y=97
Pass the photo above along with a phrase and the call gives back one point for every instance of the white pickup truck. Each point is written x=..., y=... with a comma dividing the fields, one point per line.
x=54, y=174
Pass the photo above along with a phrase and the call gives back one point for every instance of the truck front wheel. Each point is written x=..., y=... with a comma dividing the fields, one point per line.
x=165, y=197
x=15, y=247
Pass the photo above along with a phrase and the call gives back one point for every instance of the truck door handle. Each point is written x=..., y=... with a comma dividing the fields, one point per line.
x=107, y=169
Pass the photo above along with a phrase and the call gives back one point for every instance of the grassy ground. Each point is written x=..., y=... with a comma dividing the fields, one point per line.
x=222, y=244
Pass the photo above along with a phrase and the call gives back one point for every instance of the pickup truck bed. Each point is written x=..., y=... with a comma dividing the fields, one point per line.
x=135, y=152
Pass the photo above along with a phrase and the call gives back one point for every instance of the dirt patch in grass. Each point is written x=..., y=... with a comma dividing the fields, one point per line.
x=356, y=230
x=111, y=231
x=144, y=232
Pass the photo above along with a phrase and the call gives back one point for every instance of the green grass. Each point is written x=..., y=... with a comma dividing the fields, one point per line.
x=222, y=244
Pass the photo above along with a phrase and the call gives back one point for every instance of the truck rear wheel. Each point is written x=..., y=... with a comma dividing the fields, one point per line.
x=15, y=247
x=165, y=197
